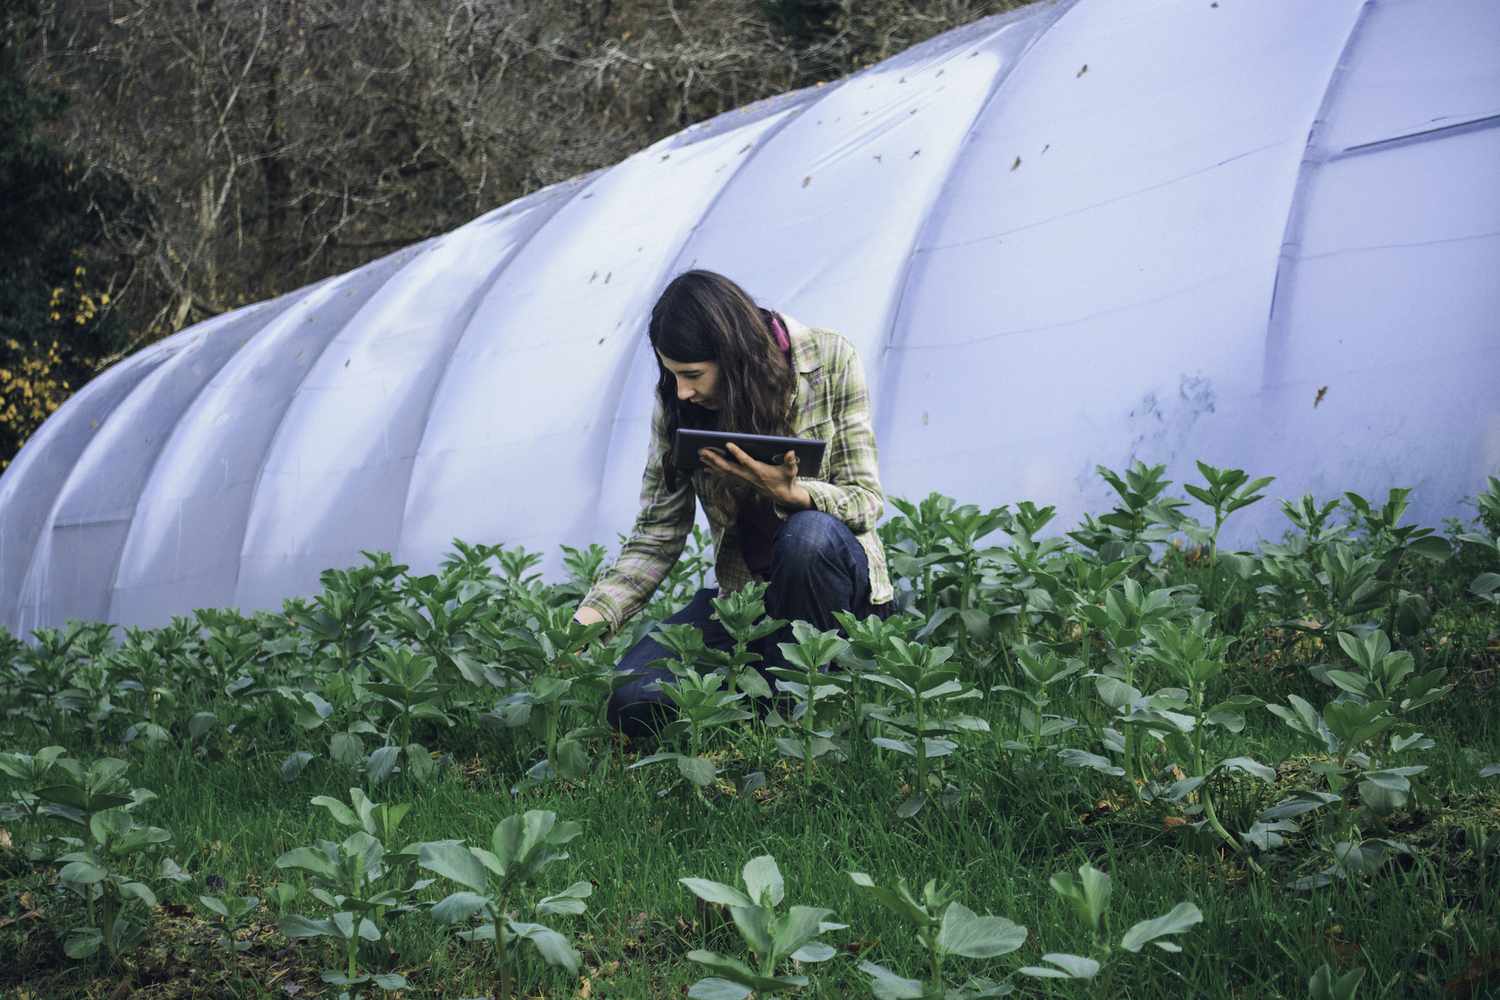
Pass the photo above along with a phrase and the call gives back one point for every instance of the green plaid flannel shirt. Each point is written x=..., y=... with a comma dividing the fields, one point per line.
x=830, y=401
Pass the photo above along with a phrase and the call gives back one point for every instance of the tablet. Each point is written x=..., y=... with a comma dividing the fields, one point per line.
x=761, y=447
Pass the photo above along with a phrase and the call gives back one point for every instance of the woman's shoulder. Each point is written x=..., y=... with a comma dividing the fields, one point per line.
x=825, y=345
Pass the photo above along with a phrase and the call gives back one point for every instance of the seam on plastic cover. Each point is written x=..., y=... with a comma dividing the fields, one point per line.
x=11, y=615
x=791, y=115
x=1424, y=135
x=585, y=184
x=413, y=253
x=1313, y=156
x=926, y=222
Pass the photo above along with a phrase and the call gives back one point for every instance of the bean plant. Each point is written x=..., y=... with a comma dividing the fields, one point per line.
x=771, y=936
x=521, y=848
x=360, y=881
x=1088, y=896
x=946, y=929
x=926, y=712
x=806, y=680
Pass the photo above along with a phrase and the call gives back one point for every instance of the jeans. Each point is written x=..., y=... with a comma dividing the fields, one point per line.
x=817, y=568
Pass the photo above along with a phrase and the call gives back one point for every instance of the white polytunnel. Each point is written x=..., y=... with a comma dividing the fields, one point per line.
x=1261, y=233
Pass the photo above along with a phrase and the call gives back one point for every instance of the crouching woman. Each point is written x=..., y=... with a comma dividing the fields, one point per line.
x=727, y=364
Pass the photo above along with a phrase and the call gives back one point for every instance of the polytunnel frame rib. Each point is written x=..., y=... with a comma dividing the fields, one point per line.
x=295, y=296
x=147, y=365
x=583, y=183
x=1062, y=9
x=415, y=251
x=789, y=116
x=50, y=525
x=1314, y=156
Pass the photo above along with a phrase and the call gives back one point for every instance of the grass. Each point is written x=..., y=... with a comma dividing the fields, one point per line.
x=1430, y=926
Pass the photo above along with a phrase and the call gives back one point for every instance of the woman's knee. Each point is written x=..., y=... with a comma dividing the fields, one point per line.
x=810, y=535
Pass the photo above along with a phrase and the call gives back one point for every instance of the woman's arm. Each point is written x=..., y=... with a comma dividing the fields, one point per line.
x=852, y=491
x=654, y=545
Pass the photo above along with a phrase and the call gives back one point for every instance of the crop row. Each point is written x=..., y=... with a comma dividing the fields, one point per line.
x=1105, y=651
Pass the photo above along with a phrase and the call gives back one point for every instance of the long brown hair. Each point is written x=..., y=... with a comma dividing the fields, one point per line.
x=703, y=316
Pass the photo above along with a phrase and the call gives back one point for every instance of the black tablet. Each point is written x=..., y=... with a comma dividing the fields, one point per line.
x=761, y=447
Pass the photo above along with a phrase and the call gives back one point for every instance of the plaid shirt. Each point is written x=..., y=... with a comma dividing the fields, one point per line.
x=829, y=401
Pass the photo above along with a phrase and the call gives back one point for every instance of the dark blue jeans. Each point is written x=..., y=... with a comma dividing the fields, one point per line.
x=817, y=568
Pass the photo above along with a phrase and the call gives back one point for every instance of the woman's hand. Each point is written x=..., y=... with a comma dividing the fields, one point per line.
x=778, y=483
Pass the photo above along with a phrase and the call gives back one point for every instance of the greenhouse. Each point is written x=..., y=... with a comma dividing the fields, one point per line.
x=1085, y=233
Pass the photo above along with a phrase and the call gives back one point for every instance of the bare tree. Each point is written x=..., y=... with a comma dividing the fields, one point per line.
x=274, y=142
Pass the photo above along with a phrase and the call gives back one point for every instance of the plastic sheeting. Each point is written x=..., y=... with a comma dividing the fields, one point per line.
x=1265, y=234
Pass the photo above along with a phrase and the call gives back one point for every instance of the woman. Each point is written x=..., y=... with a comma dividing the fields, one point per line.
x=725, y=363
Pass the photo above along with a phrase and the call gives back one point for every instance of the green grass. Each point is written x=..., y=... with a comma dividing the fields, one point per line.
x=1420, y=928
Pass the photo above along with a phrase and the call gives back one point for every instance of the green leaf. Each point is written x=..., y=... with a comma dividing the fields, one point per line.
x=453, y=860
x=552, y=946
x=419, y=762
x=342, y=814
x=1250, y=766
x=382, y=763
x=1068, y=967
x=1082, y=758
x=965, y=933
x=111, y=824
x=736, y=971
x=295, y=925
x=200, y=724
x=700, y=771
x=309, y=859
x=1088, y=893
x=762, y=880
x=1349, y=681
x=570, y=901
x=140, y=891
x=82, y=942
x=814, y=951
x=1430, y=547
x=1180, y=918
x=458, y=907
x=1323, y=985
x=716, y=892
x=214, y=904
x=295, y=763
x=796, y=928
x=755, y=925
x=714, y=988
x=81, y=873
x=886, y=985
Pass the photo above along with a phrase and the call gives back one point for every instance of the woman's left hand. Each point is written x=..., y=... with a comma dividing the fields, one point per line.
x=776, y=482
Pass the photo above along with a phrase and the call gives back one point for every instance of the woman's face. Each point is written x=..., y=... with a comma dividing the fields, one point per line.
x=697, y=381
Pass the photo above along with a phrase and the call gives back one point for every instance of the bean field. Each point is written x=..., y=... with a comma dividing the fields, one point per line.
x=1111, y=760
